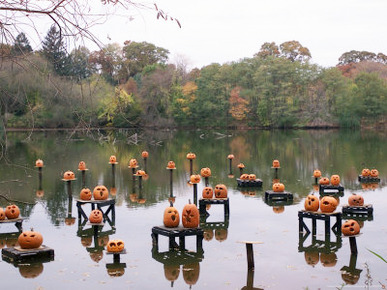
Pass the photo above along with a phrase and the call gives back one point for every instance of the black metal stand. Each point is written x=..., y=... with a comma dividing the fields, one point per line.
x=314, y=216
x=203, y=202
x=179, y=232
x=249, y=183
x=110, y=203
x=331, y=190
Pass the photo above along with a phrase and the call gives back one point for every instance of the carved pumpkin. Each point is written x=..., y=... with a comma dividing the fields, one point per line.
x=82, y=165
x=276, y=163
x=12, y=211
x=140, y=173
x=278, y=187
x=2, y=214
x=230, y=156
x=324, y=181
x=221, y=234
x=207, y=192
x=252, y=177
x=191, y=156
x=241, y=166
x=328, y=204
x=205, y=172
x=220, y=191
x=350, y=228
x=365, y=172
x=144, y=154
x=312, y=258
x=190, y=216
x=96, y=216
x=278, y=209
x=328, y=259
x=195, y=178
x=113, y=159
x=171, y=165
x=208, y=234
x=85, y=194
x=31, y=271
x=69, y=175
x=133, y=163
x=335, y=180
x=100, y=192
x=115, y=246
x=312, y=203
x=171, y=272
x=171, y=217
x=30, y=240
x=317, y=173
x=244, y=176
x=374, y=173
x=355, y=200
x=39, y=163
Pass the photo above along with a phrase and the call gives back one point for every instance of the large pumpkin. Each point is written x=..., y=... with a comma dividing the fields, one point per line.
x=100, y=192
x=220, y=191
x=312, y=203
x=191, y=156
x=205, y=172
x=190, y=216
x=328, y=204
x=335, y=180
x=12, y=211
x=207, y=192
x=355, y=200
x=350, y=228
x=96, y=216
x=278, y=187
x=30, y=240
x=374, y=173
x=171, y=217
x=317, y=173
x=68, y=175
x=324, y=181
x=85, y=194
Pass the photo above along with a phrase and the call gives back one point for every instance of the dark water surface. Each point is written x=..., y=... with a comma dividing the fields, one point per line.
x=283, y=261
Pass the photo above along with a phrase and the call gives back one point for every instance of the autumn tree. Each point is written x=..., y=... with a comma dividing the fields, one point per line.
x=238, y=105
x=291, y=50
x=355, y=56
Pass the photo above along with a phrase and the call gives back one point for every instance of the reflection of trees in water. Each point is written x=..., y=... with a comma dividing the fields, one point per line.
x=57, y=204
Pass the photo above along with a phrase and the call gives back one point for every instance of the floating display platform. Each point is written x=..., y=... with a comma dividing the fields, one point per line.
x=17, y=254
x=249, y=183
x=179, y=232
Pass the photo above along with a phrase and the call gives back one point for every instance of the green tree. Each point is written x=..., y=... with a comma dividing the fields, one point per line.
x=21, y=45
x=355, y=56
x=108, y=62
x=80, y=66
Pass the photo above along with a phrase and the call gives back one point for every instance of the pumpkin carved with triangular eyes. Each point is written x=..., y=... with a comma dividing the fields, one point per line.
x=350, y=228
x=355, y=200
x=207, y=192
x=115, y=246
x=85, y=194
x=30, y=240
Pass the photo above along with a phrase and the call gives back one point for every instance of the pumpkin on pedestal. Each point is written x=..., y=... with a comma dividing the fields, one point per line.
x=328, y=204
x=207, y=192
x=96, y=216
x=144, y=154
x=2, y=214
x=81, y=165
x=276, y=163
x=191, y=156
x=312, y=203
x=220, y=191
x=205, y=172
x=68, y=175
x=190, y=216
x=133, y=163
x=30, y=240
x=113, y=159
x=12, y=211
x=335, y=180
x=85, y=194
x=252, y=177
x=230, y=156
x=355, y=200
x=244, y=176
x=317, y=173
x=171, y=165
x=115, y=246
x=324, y=181
x=374, y=173
x=365, y=172
x=171, y=217
x=100, y=192
x=39, y=163
x=241, y=166
x=278, y=187
x=195, y=178
x=350, y=228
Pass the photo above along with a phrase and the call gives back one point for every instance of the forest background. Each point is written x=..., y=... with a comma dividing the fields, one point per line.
x=134, y=85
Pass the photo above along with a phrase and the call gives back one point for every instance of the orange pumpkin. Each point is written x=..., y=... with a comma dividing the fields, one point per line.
x=355, y=200
x=171, y=217
x=328, y=259
x=324, y=181
x=312, y=203
x=81, y=165
x=96, y=216
x=171, y=272
x=207, y=192
x=328, y=204
x=39, y=163
x=133, y=163
x=278, y=187
x=85, y=194
x=115, y=246
x=374, y=173
x=191, y=156
x=205, y=172
x=12, y=211
x=191, y=273
x=140, y=173
x=335, y=180
x=350, y=228
x=144, y=154
x=317, y=173
x=171, y=165
x=230, y=156
x=30, y=240
x=244, y=176
x=241, y=165
x=276, y=163
x=220, y=191
x=195, y=178
x=252, y=177
x=2, y=214
x=69, y=175
x=190, y=216
x=365, y=172
x=100, y=192
x=113, y=159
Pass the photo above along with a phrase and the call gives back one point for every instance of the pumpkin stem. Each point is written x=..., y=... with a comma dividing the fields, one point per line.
x=189, y=201
x=171, y=203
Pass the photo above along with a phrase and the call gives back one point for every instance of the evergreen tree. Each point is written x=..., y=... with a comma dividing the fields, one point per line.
x=21, y=45
x=55, y=52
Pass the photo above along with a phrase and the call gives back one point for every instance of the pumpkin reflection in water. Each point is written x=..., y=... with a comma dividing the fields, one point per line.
x=328, y=259
x=350, y=278
x=116, y=270
x=171, y=272
x=208, y=234
x=102, y=241
x=191, y=273
x=12, y=242
x=31, y=271
x=96, y=256
x=278, y=209
x=86, y=241
x=312, y=258
x=221, y=234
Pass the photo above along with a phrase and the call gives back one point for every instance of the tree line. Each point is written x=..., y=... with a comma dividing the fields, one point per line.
x=134, y=85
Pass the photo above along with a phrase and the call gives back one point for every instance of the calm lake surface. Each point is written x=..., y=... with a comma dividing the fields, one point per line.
x=283, y=260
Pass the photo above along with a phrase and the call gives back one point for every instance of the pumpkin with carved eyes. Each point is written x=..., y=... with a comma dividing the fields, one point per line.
x=350, y=228
x=355, y=200
x=276, y=163
x=82, y=165
x=96, y=216
x=12, y=211
x=171, y=165
x=190, y=216
x=312, y=203
x=230, y=156
x=324, y=181
x=244, y=176
x=144, y=154
x=140, y=173
x=171, y=217
x=39, y=163
x=30, y=240
x=365, y=172
x=374, y=173
x=191, y=156
x=85, y=194
x=278, y=187
x=195, y=178
x=207, y=192
x=133, y=163
x=335, y=180
x=317, y=173
x=113, y=159
x=2, y=214
x=220, y=191
x=115, y=246
x=328, y=204
x=252, y=177
x=69, y=175
x=205, y=172
x=100, y=192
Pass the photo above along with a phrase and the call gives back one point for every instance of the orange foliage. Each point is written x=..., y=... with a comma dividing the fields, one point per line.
x=238, y=105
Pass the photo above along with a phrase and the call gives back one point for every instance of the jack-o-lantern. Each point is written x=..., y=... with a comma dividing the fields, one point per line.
x=171, y=272
x=278, y=209
x=113, y=159
x=230, y=156
x=171, y=217
x=207, y=192
x=252, y=177
x=324, y=181
x=328, y=204
x=221, y=234
x=312, y=258
x=100, y=192
x=31, y=271
x=2, y=214
x=133, y=163
x=335, y=180
x=68, y=175
x=30, y=240
x=278, y=187
x=244, y=176
x=220, y=191
x=241, y=166
x=171, y=165
x=355, y=200
x=195, y=178
x=190, y=216
x=374, y=173
x=317, y=173
x=96, y=216
x=276, y=163
x=39, y=163
x=205, y=172
x=82, y=165
x=115, y=246
x=208, y=234
x=12, y=211
x=328, y=259
x=312, y=203
x=365, y=172
x=191, y=156
x=144, y=154
x=140, y=173
x=350, y=228
x=191, y=273
x=85, y=194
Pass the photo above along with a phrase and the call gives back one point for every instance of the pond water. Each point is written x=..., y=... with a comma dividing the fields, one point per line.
x=283, y=259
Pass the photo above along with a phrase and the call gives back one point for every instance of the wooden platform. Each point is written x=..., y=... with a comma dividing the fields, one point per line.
x=331, y=189
x=17, y=254
x=99, y=204
x=368, y=179
x=18, y=222
x=314, y=216
x=249, y=183
x=179, y=232
x=271, y=195
x=358, y=212
x=278, y=202
x=204, y=201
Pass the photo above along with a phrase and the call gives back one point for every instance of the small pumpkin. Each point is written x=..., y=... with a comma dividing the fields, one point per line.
x=190, y=216
x=2, y=214
x=205, y=172
x=230, y=156
x=276, y=163
x=220, y=191
x=12, y=211
x=144, y=154
x=96, y=216
x=30, y=239
x=328, y=204
x=85, y=194
x=374, y=173
x=82, y=165
x=133, y=163
x=324, y=181
x=39, y=163
x=100, y=192
x=244, y=176
x=115, y=246
x=191, y=273
x=328, y=259
x=312, y=258
x=317, y=173
x=195, y=178
x=171, y=272
x=207, y=192
x=171, y=165
x=69, y=175
x=350, y=228
x=191, y=156
x=252, y=177
x=365, y=172
x=278, y=187
x=112, y=159
x=241, y=166
x=221, y=234
x=355, y=200
x=312, y=203
x=335, y=180
x=171, y=217
x=140, y=173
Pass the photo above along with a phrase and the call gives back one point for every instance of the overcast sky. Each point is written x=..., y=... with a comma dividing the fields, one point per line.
x=228, y=30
